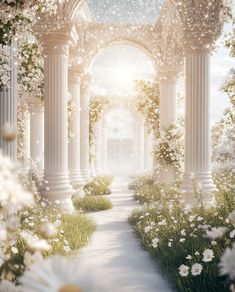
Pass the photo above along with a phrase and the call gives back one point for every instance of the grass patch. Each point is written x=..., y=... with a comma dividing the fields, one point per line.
x=99, y=186
x=92, y=203
x=77, y=230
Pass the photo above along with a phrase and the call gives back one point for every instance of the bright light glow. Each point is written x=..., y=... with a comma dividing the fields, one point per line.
x=123, y=75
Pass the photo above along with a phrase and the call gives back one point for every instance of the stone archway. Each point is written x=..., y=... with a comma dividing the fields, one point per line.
x=169, y=40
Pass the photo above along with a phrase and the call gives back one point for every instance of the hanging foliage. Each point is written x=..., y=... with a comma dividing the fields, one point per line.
x=97, y=105
x=147, y=102
x=30, y=70
x=169, y=151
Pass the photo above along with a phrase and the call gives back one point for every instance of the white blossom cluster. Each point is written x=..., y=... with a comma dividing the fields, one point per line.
x=5, y=69
x=169, y=151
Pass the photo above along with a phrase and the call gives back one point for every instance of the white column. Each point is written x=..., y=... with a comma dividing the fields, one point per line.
x=27, y=136
x=104, y=144
x=57, y=185
x=197, y=122
x=37, y=135
x=8, y=108
x=167, y=117
x=98, y=147
x=167, y=102
x=84, y=127
x=74, y=145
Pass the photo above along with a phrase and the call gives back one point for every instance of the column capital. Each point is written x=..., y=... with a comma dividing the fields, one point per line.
x=57, y=42
x=202, y=22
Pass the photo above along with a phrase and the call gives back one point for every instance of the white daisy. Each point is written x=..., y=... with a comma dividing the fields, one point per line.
x=183, y=270
x=196, y=269
x=155, y=242
x=55, y=274
x=208, y=255
x=227, y=263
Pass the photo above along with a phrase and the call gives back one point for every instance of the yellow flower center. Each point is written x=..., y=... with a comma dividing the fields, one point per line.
x=70, y=288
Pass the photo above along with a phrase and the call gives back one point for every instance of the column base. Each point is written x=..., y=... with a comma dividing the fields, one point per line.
x=76, y=178
x=206, y=185
x=86, y=175
x=58, y=191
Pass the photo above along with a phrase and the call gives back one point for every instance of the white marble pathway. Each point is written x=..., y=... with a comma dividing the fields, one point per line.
x=114, y=259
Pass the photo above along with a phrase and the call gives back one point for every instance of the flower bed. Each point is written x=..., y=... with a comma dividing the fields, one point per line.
x=187, y=242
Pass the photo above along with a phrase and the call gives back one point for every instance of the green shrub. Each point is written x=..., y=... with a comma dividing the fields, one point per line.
x=92, y=203
x=140, y=181
x=100, y=185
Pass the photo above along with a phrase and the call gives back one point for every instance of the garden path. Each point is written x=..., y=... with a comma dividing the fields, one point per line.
x=114, y=257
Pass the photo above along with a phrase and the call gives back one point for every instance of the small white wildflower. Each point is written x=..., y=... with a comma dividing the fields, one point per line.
x=183, y=270
x=208, y=255
x=196, y=269
x=232, y=234
x=155, y=242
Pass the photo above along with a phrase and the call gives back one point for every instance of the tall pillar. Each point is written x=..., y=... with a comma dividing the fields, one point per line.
x=167, y=117
x=84, y=127
x=104, y=153
x=8, y=109
x=202, y=23
x=37, y=135
x=74, y=145
x=98, y=147
x=167, y=102
x=27, y=136
x=57, y=185
x=197, y=122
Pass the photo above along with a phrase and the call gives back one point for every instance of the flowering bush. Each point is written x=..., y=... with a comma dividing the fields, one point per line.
x=30, y=70
x=169, y=151
x=223, y=143
x=148, y=102
x=28, y=230
x=5, y=70
x=187, y=242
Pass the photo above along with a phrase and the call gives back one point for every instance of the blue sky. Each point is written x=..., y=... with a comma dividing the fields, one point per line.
x=127, y=11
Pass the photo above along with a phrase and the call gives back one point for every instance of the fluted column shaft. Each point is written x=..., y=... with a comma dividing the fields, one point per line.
x=84, y=127
x=98, y=147
x=167, y=102
x=37, y=135
x=167, y=117
x=8, y=108
x=27, y=136
x=104, y=144
x=74, y=145
x=197, y=122
x=56, y=175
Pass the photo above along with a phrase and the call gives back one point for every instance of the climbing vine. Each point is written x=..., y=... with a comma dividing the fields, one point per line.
x=169, y=151
x=97, y=105
x=71, y=112
x=147, y=102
